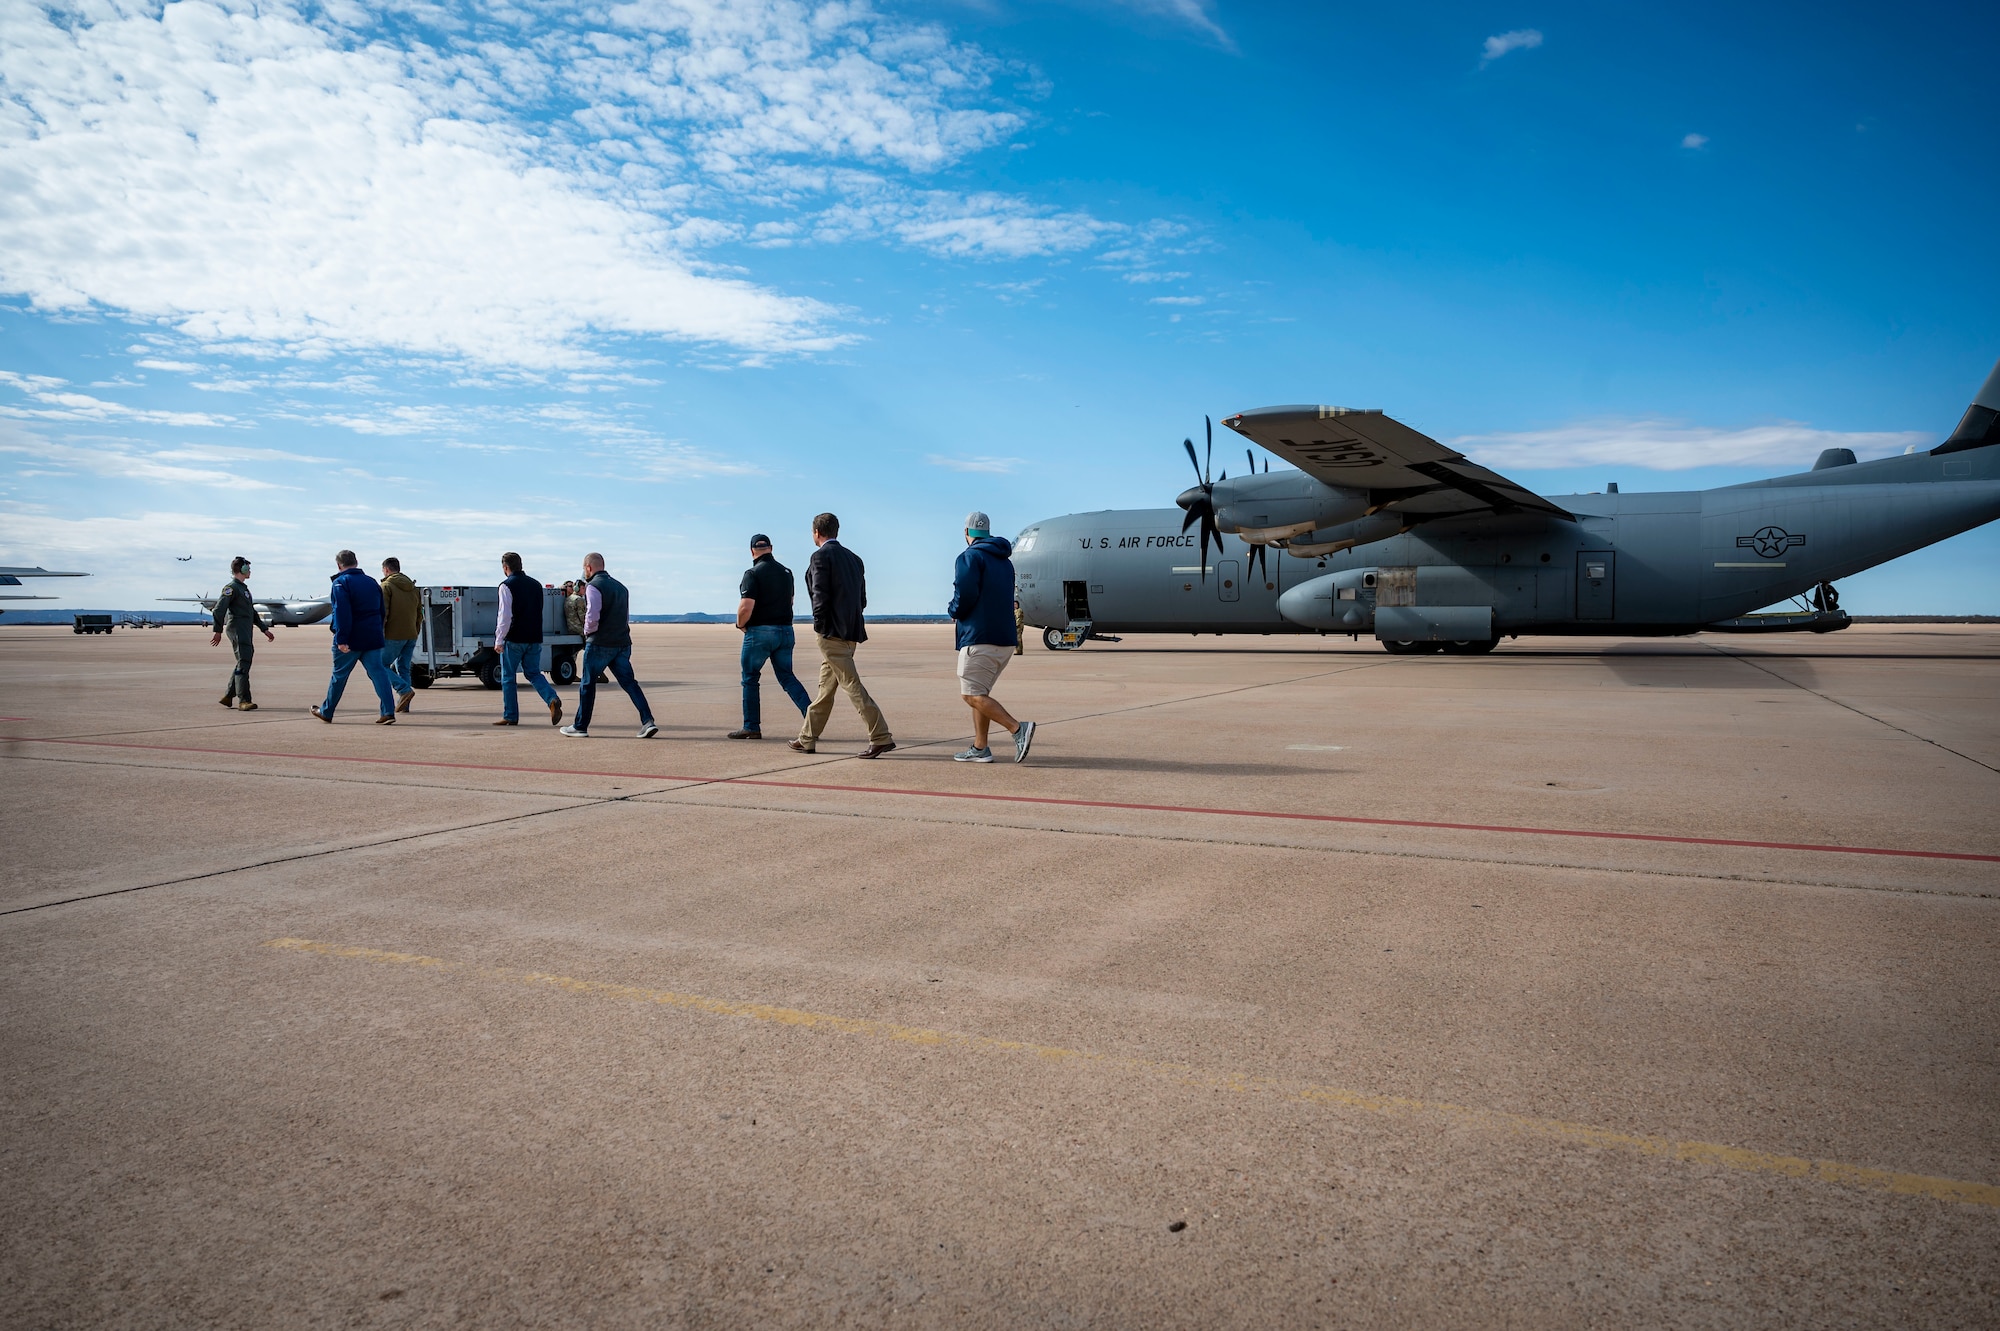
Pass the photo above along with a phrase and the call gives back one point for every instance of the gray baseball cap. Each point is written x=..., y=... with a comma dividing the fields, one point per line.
x=977, y=521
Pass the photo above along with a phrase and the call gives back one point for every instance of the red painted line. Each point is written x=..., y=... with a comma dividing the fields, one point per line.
x=1057, y=801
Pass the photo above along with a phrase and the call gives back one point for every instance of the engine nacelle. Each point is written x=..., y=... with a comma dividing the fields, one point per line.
x=1275, y=506
x=1343, y=601
x=1362, y=531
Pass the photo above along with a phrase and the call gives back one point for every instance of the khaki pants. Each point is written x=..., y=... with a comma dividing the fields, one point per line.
x=836, y=669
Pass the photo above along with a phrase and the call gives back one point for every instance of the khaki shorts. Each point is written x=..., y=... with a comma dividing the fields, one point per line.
x=979, y=665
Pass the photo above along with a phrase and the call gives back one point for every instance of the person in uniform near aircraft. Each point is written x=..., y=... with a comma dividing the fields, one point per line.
x=982, y=601
x=401, y=615
x=764, y=617
x=357, y=639
x=575, y=608
x=517, y=636
x=837, y=583
x=1020, y=628
x=236, y=615
x=607, y=636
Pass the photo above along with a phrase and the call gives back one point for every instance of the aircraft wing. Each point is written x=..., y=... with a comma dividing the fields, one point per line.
x=1403, y=470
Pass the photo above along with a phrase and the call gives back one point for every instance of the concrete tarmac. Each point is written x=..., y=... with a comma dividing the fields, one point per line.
x=1288, y=984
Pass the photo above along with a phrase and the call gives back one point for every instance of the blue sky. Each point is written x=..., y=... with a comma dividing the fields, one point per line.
x=445, y=280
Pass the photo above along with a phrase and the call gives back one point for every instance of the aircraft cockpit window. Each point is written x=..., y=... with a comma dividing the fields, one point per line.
x=1027, y=541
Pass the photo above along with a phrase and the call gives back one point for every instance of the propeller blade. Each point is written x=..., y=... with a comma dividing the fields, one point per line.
x=1210, y=425
x=1194, y=462
x=1194, y=511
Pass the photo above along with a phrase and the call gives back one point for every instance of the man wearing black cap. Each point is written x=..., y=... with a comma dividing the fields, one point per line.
x=764, y=614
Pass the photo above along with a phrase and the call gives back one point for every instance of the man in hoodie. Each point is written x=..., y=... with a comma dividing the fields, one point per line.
x=982, y=601
x=517, y=636
x=400, y=617
x=357, y=639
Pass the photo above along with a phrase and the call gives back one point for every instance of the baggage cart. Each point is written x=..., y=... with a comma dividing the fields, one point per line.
x=455, y=636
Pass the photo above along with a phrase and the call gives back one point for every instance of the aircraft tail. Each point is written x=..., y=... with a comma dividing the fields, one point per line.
x=1980, y=425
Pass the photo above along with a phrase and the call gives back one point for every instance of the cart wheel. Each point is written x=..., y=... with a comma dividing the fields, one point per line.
x=489, y=673
x=565, y=668
x=420, y=675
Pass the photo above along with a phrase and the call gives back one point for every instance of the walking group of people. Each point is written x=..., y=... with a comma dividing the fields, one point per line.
x=375, y=626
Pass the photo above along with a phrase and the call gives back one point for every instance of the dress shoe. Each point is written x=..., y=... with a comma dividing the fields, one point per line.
x=403, y=703
x=503, y=721
x=386, y=719
x=555, y=712
x=801, y=746
x=876, y=750
x=228, y=700
x=321, y=715
x=746, y=734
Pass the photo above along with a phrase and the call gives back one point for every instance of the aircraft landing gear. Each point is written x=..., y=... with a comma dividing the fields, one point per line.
x=1410, y=647
x=1474, y=647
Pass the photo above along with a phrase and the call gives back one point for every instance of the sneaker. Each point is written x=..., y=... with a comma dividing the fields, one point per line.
x=746, y=734
x=574, y=733
x=1024, y=735
x=973, y=756
x=648, y=730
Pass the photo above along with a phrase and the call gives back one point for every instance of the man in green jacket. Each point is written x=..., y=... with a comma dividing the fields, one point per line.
x=236, y=614
x=401, y=614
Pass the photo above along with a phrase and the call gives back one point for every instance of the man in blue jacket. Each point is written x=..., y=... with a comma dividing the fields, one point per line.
x=982, y=601
x=357, y=639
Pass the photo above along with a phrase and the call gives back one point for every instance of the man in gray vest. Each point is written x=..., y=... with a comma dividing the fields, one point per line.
x=517, y=636
x=236, y=615
x=607, y=636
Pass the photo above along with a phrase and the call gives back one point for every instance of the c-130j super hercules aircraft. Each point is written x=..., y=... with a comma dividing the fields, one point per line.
x=1394, y=534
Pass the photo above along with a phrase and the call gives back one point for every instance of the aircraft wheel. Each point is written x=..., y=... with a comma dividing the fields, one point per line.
x=1052, y=639
x=420, y=675
x=1472, y=647
x=1407, y=646
x=564, y=670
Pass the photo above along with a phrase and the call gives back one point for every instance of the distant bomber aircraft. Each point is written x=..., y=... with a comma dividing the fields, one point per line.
x=1394, y=534
x=273, y=611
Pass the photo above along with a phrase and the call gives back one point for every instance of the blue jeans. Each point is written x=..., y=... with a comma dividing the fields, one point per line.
x=343, y=666
x=396, y=654
x=618, y=661
x=773, y=643
x=525, y=657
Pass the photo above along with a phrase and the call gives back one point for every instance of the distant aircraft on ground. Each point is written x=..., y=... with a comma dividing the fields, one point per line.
x=275, y=612
x=10, y=576
x=1394, y=534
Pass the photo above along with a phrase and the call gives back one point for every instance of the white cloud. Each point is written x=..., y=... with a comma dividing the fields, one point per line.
x=490, y=184
x=175, y=366
x=54, y=401
x=1193, y=13
x=1175, y=300
x=1156, y=277
x=1669, y=446
x=1694, y=141
x=1520, y=39
x=122, y=461
x=981, y=465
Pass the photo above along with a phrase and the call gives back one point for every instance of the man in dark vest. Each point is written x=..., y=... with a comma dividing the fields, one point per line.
x=607, y=637
x=236, y=616
x=517, y=636
x=764, y=617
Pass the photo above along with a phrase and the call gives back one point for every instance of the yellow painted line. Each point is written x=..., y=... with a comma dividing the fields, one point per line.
x=1390, y=1106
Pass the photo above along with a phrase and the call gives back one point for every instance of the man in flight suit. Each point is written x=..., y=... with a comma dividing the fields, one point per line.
x=236, y=615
